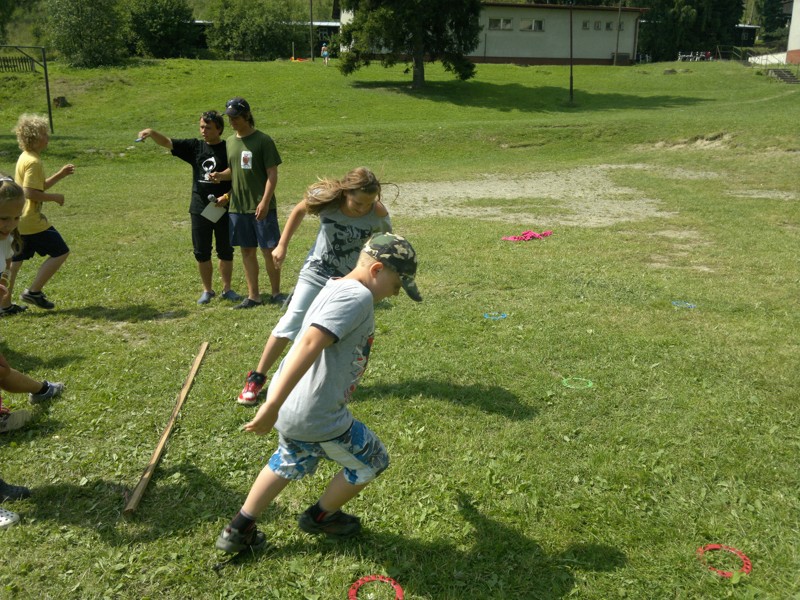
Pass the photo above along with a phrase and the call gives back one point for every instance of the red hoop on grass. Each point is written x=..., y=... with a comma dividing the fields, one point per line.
x=353, y=593
x=746, y=564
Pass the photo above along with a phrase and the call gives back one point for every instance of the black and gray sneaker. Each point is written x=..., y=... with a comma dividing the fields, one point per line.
x=339, y=524
x=232, y=540
x=13, y=492
x=54, y=389
x=38, y=299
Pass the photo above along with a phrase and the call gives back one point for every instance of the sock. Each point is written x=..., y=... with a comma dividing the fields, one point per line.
x=243, y=522
x=45, y=387
x=257, y=378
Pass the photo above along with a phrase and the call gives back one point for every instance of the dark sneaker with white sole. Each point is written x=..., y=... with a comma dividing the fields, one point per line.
x=232, y=540
x=53, y=390
x=37, y=299
x=13, y=492
x=339, y=524
x=13, y=309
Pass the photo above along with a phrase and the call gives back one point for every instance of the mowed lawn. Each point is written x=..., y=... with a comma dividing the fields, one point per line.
x=670, y=284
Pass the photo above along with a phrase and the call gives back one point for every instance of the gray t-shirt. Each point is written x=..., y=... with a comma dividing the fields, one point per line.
x=316, y=409
x=339, y=242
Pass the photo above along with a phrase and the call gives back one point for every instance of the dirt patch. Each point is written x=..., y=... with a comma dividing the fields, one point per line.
x=766, y=195
x=584, y=197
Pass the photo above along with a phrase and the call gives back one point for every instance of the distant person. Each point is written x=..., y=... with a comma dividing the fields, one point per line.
x=307, y=399
x=206, y=156
x=349, y=211
x=253, y=163
x=38, y=236
x=324, y=53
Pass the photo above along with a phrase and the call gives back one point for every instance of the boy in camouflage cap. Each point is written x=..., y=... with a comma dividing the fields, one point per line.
x=307, y=398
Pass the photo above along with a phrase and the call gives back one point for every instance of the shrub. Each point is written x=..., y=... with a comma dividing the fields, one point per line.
x=161, y=28
x=87, y=34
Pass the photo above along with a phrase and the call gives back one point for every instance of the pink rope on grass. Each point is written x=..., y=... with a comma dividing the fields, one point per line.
x=527, y=236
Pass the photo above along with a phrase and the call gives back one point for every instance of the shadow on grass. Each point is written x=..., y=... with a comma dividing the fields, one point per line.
x=490, y=399
x=134, y=313
x=501, y=562
x=513, y=96
x=34, y=365
x=176, y=500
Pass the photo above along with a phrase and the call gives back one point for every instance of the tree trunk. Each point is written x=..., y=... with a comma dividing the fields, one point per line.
x=418, y=81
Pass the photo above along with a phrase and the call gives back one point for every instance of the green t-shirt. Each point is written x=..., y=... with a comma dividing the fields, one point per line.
x=249, y=158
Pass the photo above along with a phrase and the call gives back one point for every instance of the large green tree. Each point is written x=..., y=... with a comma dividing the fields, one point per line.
x=256, y=29
x=411, y=30
x=161, y=28
x=672, y=26
x=6, y=10
x=86, y=33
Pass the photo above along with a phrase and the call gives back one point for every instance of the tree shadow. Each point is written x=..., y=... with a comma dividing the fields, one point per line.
x=488, y=398
x=176, y=500
x=501, y=563
x=514, y=96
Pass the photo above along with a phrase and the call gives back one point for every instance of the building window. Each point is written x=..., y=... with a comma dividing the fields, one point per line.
x=531, y=25
x=500, y=25
x=598, y=25
x=609, y=25
x=587, y=25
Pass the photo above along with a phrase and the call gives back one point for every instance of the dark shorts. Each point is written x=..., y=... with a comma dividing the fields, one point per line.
x=246, y=232
x=204, y=232
x=45, y=243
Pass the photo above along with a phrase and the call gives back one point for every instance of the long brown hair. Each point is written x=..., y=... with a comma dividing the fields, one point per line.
x=333, y=192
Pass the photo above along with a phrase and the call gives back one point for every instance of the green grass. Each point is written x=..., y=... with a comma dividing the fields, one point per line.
x=504, y=483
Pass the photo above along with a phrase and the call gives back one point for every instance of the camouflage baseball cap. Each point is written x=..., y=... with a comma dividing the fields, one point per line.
x=396, y=253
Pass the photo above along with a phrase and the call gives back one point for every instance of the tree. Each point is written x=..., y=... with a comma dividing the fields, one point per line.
x=6, y=10
x=672, y=26
x=403, y=30
x=255, y=30
x=772, y=16
x=88, y=34
x=160, y=28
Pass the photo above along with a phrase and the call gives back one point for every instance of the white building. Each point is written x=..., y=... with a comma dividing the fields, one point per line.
x=539, y=34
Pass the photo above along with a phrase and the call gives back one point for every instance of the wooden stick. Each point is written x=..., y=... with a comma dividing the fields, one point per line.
x=138, y=492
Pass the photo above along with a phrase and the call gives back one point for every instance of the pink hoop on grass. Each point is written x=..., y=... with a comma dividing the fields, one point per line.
x=353, y=593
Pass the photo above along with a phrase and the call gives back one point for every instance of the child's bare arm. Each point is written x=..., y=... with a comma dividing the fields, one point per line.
x=292, y=223
x=305, y=352
x=40, y=196
x=66, y=170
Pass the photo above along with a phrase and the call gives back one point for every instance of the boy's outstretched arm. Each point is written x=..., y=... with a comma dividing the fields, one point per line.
x=305, y=352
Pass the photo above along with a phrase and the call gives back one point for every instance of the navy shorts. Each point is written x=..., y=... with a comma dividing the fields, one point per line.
x=246, y=232
x=45, y=243
x=358, y=450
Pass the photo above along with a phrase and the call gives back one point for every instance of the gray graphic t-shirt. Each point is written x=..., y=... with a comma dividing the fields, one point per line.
x=339, y=242
x=316, y=409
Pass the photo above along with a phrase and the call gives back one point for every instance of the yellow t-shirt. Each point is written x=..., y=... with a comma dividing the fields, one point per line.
x=30, y=173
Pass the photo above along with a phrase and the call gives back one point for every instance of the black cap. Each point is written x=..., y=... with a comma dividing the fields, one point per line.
x=236, y=107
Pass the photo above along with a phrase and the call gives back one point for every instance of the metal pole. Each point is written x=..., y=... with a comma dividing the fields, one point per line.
x=47, y=89
x=311, y=27
x=570, y=52
x=619, y=20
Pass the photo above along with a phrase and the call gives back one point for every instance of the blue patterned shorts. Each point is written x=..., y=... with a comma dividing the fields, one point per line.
x=358, y=450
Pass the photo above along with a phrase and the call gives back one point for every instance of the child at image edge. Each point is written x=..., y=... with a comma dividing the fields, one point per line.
x=38, y=236
x=350, y=211
x=12, y=201
x=307, y=399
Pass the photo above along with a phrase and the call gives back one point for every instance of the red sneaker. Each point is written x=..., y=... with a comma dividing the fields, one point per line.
x=249, y=394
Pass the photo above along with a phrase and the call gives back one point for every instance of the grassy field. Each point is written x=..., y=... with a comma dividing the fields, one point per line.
x=505, y=483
